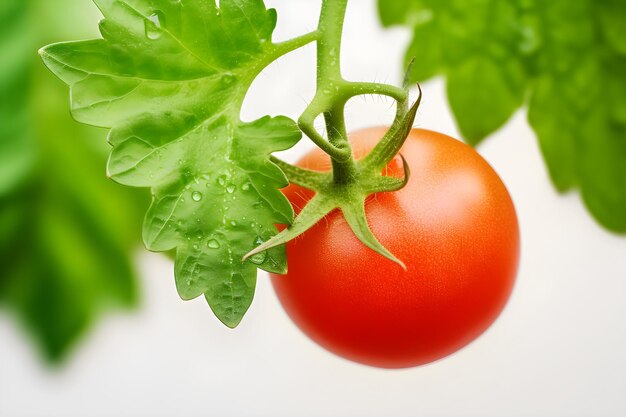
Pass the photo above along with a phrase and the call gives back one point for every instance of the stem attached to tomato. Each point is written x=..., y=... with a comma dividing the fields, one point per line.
x=333, y=91
x=351, y=181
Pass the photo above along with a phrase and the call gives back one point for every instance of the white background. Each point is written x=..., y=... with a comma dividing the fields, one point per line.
x=557, y=350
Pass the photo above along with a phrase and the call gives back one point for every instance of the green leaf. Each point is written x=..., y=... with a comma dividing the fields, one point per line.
x=429, y=61
x=17, y=147
x=66, y=232
x=394, y=12
x=169, y=78
x=484, y=94
x=559, y=137
x=567, y=56
x=612, y=17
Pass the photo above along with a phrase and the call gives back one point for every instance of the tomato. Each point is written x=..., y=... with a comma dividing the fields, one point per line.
x=453, y=225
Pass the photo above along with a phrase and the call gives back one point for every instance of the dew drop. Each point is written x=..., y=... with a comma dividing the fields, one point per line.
x=231, y=188
x=233, y=223
x=258, y=258
x=213, y=244
x=196, y=247
x=153, y=25
x=246, y=186
x=196, y=196
x=221, y=180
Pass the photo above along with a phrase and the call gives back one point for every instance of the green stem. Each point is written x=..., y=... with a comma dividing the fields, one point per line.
x=350, y=182
x=290, y=45
x=329, y=43
x=306, y=124
x=360, y=88
x=330, y=81
x=333, y=92
x=344, y=171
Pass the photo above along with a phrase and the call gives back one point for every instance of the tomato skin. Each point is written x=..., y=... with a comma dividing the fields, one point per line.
x=453, y=225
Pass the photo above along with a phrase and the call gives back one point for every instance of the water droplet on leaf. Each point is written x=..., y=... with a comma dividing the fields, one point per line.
x=213, y=244
x=153, y=25
x=258, y=258
x=196, y=195
x=231, y=188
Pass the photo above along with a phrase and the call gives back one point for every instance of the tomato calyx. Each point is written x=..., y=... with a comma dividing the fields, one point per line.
x=349, y=192
x=350, y=182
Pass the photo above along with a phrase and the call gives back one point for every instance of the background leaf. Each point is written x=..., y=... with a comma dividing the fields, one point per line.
x=17, y=147
x=567, y=57
x=66, y=232
x=168, y=79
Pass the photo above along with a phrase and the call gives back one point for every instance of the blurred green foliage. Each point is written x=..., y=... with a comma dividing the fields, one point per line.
x=566, y=58
x=66, y=231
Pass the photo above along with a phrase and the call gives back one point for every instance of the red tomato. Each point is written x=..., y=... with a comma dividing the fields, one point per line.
x=455, y=228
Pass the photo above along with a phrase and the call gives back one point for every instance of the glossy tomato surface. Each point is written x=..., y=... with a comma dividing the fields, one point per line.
x=453, y=225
